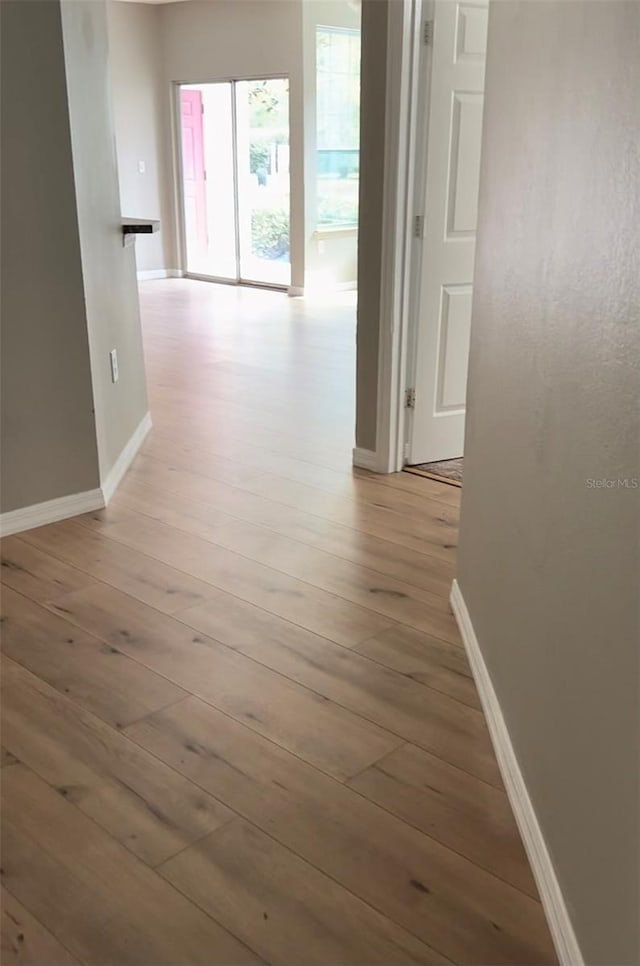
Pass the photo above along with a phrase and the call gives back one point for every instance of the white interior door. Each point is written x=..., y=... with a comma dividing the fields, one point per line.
x=450, y=185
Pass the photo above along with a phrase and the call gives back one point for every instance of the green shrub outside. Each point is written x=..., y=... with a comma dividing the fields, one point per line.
x=258, y=156
x=270, y=232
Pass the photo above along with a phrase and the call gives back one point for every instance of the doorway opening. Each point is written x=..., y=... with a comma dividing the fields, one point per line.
x=235, y=181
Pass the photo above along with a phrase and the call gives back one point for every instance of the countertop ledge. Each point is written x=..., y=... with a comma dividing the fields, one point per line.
x=140, y=226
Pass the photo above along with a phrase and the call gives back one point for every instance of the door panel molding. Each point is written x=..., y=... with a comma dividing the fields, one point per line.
x=453, y=348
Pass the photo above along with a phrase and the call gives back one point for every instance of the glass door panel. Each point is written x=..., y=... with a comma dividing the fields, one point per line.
x=262, y=132
x=219, y=160
x=208, y=174
x=235, y=179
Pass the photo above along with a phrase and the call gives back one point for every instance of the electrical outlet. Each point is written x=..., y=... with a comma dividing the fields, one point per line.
x=113, y=358
x=142, y=167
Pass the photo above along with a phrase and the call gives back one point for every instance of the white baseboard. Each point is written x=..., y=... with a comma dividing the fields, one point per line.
x=345, y=286
x=147, y=276
x=323, y=288
x=51, y=511
x=555, y=908
x=125, y=459
x=365, y=459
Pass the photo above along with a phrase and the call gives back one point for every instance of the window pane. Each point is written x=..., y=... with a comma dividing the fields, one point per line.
x=338, y=125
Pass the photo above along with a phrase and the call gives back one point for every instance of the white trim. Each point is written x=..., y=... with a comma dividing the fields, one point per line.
x=295, y=291
x=403, y=62
x=345, y=286
x=365, y=459
x=418, y=176
x=338, y=231
x=175, y=158
x=51, y=511
x=122, y=464
x=153, y=273
x=555, y=908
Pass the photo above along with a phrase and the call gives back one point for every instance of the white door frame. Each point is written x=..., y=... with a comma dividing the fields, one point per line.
x=404, y=60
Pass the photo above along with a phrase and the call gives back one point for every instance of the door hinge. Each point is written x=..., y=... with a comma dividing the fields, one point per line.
x=427, y=33
x=418, y=226
x=409, y=399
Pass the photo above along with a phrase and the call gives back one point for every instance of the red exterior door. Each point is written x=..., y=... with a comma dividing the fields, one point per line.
x=193, y=171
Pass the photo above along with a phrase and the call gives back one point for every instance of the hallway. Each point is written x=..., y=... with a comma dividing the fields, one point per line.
x=239, y=725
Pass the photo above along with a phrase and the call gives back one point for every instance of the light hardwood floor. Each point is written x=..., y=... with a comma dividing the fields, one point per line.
x=238, y=721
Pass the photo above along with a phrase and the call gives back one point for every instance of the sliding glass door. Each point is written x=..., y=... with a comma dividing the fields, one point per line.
x=235, y=180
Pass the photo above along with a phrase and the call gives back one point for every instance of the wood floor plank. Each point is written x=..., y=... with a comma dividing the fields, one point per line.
x=114, y=513
x=438, y=538
x=434, y=504
x=202, y=518
x=434, y=721
x=277, y=421
x=36, y=574
x=439, y=664
x=141, y=802
x=296, y=600
x=358, y=485
x=415, y=568
x=329, y=766
x=455, y=907
x=95, y=675
x=24, y=941
x=161, y=485
x=244, y=431
x=241, y=391
x=140, y=575
x=470, y=816
x=367, y=588
x=97, y=520
x=428, y=536
x=364, y=487
x=420, y=485
x=101, y=902
x=254, y=460
x=216, y=466
x=285, y=909
x=318, y=730
x=165, y=475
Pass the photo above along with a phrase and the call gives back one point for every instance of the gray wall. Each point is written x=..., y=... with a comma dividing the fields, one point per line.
x=48, y=429
x=109, y=270
x=142, y=106
x=548, y=566
x=372, y=124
